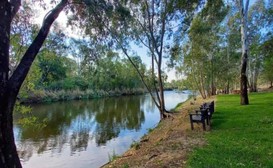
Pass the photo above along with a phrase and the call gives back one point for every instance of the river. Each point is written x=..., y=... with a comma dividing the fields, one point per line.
x=85, y=133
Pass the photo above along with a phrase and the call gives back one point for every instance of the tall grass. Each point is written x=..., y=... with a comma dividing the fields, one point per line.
x=39, y=96
x=241, y=136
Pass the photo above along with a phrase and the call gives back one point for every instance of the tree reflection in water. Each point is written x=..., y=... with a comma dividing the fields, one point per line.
x=77, y=122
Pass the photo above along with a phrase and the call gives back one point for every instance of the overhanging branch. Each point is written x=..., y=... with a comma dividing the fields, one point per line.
x=22, y=70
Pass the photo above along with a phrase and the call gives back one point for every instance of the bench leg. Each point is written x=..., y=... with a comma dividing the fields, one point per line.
x=191, y=122
x=204, y=125
x=208, y=121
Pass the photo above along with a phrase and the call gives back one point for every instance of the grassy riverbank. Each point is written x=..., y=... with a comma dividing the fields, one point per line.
x=167, y=145
x=240, y=136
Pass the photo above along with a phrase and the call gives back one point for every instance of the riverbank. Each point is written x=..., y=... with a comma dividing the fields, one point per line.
x=168, y=145
x=241, y=136
x=43, y=96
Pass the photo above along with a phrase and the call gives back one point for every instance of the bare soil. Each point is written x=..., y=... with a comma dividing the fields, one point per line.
x=169, y=144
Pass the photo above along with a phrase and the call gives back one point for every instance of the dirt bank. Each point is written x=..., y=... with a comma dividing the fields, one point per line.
x=168, y=145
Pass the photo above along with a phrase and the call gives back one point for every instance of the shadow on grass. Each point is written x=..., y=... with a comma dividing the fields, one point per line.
x=217, y=120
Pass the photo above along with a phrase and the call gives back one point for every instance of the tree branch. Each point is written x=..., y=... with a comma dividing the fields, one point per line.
x=15, y=5
x=22, y=70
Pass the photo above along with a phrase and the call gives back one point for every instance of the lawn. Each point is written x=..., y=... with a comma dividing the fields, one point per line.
x=240, y=136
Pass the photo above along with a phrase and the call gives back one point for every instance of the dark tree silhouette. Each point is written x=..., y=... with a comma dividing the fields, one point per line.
x=10, y=85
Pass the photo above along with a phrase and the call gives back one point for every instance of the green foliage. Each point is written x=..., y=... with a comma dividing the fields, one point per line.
x=150, y=130
x=31, y=81
x=32, y=122
x=241, y=136
x=202, y=54
x=135, y=145
x=55, y=77
x=214, y=11
x=112, y=157
x=22, y=109
x=125, y=165
x=52, y=67
x=267, y=48
x=26, y=119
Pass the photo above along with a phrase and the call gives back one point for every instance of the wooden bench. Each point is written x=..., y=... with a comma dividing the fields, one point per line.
x=199, y=117
x=210, y=108
x=203, y=115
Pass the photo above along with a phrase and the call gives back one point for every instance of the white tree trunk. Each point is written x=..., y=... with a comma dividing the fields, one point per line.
x=244, y=38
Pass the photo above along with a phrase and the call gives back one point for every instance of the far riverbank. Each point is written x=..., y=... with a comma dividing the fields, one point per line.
x=44, y=96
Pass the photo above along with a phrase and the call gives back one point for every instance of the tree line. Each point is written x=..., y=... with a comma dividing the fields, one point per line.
x=61, y=72
x=70, y=68
x=210, y=58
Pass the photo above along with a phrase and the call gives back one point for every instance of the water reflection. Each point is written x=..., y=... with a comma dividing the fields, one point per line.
x=101, y=125
x=124, y=113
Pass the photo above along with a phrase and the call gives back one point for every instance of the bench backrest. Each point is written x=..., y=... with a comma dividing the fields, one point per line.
x=211, y=107
x=208, y=106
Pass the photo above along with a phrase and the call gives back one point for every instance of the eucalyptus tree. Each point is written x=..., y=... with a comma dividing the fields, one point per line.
x=243, y=9
x=230, y=56
x=154, y=26
x=150, y=23
x=201, y=52
x=257, y=28
x=267, y=50
x=52, y=58
x=267, y=44
x=86, y=53
x=10, y=85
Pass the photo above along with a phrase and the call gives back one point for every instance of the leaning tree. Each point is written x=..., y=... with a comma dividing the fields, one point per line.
x=152, y=24
x=10, y=83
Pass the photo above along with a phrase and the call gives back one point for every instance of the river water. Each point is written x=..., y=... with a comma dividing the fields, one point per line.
x=84, y=134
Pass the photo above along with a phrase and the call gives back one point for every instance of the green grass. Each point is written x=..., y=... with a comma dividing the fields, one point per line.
x=112, y=157
x=135, y=145
x=241, y=136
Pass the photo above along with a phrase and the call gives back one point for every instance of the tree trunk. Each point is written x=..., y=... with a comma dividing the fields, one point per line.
x=244, y=93
x=8, y=152
x=161, y=91
x=159, y=62
x=256, y=74
x=9, y=87
x=253, y=78
x=253, y=85
x=227, y=88
x=213, y=87
x=243, y=80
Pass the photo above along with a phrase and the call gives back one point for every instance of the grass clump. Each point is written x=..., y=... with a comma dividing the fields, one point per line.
x=135, y=145
x=112, y=157
x=241, y=136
